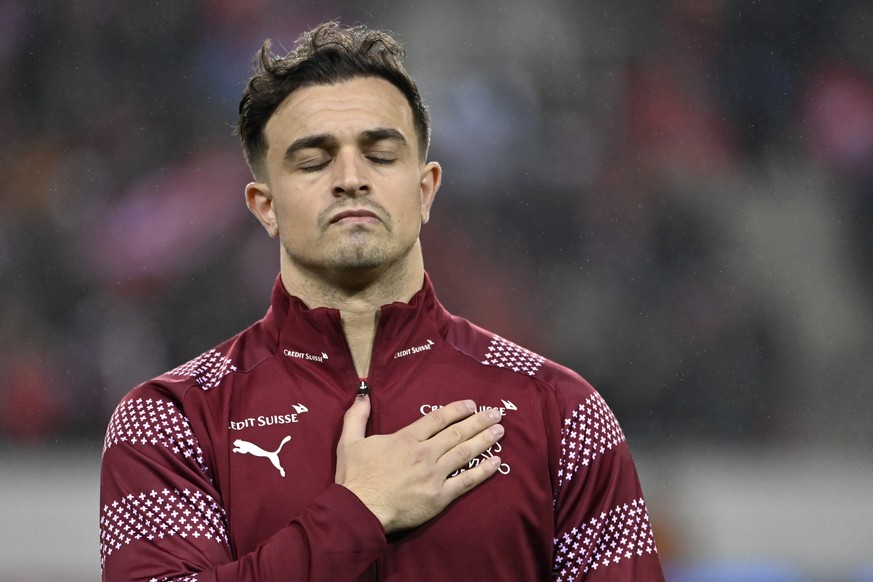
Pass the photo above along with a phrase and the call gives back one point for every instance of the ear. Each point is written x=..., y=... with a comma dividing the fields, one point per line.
x=431, y=178
x=259, y=199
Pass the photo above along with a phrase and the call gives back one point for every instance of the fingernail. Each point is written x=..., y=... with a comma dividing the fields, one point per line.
x=497, y=430
x=495, y=461
x=471, y=406
x=494, y=414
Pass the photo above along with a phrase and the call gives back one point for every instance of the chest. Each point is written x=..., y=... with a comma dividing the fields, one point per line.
x=278, y=453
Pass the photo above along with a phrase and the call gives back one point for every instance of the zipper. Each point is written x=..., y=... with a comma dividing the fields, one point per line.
x=364, y=387
x=373, y=569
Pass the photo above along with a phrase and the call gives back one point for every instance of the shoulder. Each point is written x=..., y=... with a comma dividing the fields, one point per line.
x=576, y=408
x=155, y=412
x=203, y=373
x=507, y=357
x=207, y=371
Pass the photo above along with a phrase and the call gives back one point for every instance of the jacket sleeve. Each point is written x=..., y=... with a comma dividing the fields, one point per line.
x=602, y=525
x=162, y=517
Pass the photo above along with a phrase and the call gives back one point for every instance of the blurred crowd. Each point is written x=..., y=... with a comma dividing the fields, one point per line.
x=672, y=197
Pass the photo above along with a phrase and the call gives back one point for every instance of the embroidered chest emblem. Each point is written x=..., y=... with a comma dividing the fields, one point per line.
x=247, y=448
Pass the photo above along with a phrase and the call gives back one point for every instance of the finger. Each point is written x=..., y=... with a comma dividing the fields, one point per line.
x=454, y=487
x=461, y=454
x=453, y=435
x=355, y=421
x=437, y=420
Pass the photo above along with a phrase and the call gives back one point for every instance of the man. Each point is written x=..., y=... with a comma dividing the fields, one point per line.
x=359, y=431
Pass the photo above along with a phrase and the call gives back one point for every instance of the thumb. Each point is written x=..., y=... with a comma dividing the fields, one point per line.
x=354, y=430
x=355, y=421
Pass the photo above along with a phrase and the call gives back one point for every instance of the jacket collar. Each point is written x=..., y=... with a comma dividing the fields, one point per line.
x=317, y=332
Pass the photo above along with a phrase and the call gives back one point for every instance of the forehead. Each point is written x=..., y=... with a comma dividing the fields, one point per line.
x=343, y=110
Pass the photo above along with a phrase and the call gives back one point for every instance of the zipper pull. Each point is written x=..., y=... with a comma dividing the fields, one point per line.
x=364, y=388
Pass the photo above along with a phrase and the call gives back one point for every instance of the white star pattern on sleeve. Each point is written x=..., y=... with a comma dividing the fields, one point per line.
x=588, y=432
x=153, y=422
x=159, y=514
x=622, y=533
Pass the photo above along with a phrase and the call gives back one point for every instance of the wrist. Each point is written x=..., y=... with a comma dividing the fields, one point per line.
x=372, y=501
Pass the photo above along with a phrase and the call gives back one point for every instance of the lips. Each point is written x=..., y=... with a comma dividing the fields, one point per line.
x=361, y=214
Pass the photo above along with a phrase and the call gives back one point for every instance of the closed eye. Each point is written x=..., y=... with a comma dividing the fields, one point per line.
x=382, y=159
x=314, y=164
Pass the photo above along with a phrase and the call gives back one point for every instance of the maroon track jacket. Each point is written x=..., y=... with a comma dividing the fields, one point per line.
x=223, y=468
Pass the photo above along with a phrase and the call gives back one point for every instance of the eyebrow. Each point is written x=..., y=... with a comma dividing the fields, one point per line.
x=383, y=134
x=320, y=140
x=326, y=140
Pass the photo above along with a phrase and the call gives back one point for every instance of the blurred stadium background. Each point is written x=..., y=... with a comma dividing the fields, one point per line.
x=672, y=197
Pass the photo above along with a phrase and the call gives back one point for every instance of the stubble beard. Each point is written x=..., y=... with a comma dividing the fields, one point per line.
x=357, y=254
x=354, y=258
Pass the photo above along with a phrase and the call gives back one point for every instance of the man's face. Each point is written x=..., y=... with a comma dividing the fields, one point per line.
x=344, y=188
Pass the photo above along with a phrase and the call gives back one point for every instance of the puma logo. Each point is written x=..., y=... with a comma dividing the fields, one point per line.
x=247, y=448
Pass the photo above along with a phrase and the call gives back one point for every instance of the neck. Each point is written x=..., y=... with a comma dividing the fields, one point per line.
x=358, y=296
x=360, y=330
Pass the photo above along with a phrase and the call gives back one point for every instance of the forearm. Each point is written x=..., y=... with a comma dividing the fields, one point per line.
x=334, y=538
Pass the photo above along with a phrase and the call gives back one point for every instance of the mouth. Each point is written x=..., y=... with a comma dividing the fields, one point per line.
x=356, y=216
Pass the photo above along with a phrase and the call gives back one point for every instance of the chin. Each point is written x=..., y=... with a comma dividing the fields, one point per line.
x=361, y=261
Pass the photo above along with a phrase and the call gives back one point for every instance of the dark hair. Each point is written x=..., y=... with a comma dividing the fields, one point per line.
x=326, y=55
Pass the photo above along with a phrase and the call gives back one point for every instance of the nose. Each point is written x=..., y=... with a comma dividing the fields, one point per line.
x=350, y=177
